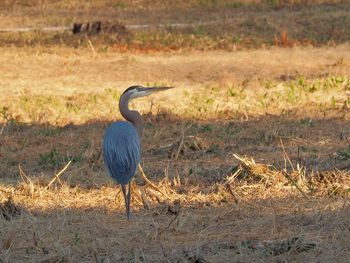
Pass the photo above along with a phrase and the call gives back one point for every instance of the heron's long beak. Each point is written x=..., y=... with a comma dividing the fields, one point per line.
x=127, y=199
x=150, y=90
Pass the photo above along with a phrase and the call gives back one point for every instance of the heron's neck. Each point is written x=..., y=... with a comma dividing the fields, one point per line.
x=130, y=115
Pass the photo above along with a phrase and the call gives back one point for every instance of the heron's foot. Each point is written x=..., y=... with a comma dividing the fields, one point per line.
x=131, y=216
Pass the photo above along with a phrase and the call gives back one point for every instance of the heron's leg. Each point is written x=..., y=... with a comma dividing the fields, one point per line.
x=124, y=192
x=127, y=198
x=129, y=195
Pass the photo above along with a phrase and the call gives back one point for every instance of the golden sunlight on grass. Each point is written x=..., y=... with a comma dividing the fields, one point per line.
x=282, y=196
x=247, y=159
x=88, y=221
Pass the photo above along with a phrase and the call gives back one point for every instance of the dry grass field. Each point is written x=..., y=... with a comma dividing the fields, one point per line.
x=248, y=157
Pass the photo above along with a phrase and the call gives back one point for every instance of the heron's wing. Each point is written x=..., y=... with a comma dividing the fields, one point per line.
x=122, y=151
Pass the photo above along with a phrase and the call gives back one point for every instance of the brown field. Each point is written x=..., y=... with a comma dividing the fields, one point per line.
x=248, y=157
x=211, y=24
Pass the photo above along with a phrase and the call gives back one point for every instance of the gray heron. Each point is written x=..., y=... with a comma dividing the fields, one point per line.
x=122, y=141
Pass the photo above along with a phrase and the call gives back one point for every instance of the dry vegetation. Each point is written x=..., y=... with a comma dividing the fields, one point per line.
x=248, y=157
x=217, y=24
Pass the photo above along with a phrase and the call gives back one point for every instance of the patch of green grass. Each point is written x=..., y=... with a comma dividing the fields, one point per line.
x=206, y=128
x=231, y=130
x=114, y=93
x=50, y=159
x=236, y=92
x=24, y=142
x=333, y=102
x=73, y=107
x=210, y=100
x=54, y=158
x=50, y=131
x=344, y=154
x=307, y=122
x=264, y=100
x=203, y=103
x=76, y=239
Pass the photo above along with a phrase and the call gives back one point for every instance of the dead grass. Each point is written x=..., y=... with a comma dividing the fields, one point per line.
x=248, y=157
x=272, y=205
x=269, y=220
x=60, y=12
x=216, y=25
x=66, y=72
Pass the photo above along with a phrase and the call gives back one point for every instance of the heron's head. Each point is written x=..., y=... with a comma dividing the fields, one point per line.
x=134, y=92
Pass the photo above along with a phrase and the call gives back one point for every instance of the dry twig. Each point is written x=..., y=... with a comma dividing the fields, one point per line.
x=57, y=175
x=231, y=178
x=152, y=184
x=294, y=183
x=181, y=144
x=92, y=47
x=286, y=155
x=145, y=202
x=24, y=177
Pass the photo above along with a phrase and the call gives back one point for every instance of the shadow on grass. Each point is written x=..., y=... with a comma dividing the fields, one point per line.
x=203, y=152
x=85, y=221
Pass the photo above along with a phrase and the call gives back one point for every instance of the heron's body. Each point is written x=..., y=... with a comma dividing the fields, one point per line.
x=121, y=144
x=122, y=151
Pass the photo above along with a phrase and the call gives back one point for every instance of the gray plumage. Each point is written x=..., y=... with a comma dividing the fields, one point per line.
x=122, y=141
x=122, y=151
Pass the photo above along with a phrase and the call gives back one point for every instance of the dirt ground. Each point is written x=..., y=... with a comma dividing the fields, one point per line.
x=248, y=155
